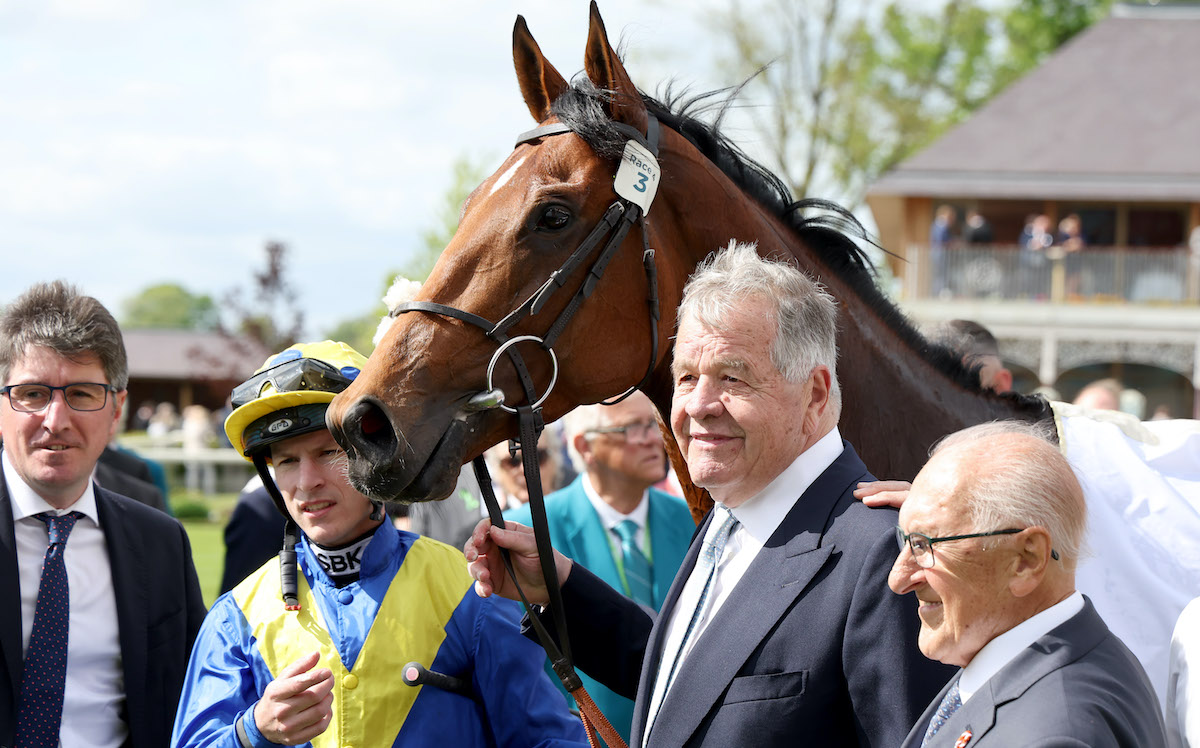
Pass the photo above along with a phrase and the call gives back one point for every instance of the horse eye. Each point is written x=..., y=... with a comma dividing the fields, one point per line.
x=554, y=218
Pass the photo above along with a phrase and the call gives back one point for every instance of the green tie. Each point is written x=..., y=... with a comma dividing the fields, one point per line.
x=637, y=568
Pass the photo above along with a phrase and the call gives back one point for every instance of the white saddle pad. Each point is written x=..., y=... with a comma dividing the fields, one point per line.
x=1142, y=563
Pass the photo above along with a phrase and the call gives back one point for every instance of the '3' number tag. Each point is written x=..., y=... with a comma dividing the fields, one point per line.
x=637, y=177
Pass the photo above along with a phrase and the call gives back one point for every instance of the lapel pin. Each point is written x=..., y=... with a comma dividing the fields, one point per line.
x=963, y=739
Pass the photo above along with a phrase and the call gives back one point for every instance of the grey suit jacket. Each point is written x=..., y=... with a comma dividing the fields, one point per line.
x=811, y=647
x=159, y=611
x=1078, y=685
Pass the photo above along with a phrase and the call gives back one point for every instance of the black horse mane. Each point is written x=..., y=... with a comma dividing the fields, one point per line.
x=830, y=230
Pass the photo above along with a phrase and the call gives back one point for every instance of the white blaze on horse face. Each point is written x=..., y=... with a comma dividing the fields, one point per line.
x=507, y=176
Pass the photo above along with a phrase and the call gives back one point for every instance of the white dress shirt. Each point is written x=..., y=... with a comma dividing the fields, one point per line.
x=1004, y=648
x=94, y=696
x=610, y=517
x=758, y=519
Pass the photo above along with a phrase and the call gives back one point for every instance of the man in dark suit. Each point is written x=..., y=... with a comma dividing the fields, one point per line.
x=99, y=601
x=777, y=629
x=990, y=536
x=129, y=475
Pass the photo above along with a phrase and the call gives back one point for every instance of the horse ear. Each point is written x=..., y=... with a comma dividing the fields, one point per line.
x=540, y=83
x=605, y=70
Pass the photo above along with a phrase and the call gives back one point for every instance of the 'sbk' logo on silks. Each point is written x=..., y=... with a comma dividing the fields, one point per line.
x=341, y=563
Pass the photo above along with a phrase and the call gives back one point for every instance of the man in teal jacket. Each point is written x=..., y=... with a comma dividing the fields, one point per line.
x=612, y=520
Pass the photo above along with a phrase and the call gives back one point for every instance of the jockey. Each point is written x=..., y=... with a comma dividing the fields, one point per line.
x=310, y=650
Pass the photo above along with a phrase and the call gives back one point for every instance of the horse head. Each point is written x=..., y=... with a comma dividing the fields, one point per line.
x=418, y=410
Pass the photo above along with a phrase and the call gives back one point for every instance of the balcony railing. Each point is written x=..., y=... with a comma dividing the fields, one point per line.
x=1094, y=274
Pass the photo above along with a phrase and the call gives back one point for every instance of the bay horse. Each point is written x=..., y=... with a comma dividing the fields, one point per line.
x=418, y=410
x=404, y=421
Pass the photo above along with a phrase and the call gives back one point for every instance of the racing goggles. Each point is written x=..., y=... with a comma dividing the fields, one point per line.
x=298, y=375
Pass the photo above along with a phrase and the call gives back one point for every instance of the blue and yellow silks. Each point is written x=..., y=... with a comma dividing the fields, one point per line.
x=413, y=601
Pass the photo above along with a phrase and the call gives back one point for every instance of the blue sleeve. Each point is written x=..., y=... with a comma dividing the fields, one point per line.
x=511, y=681
x=222, y=682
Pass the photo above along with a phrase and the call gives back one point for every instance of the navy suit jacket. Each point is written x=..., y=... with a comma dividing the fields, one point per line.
x=576, y=532
x=159, y=611
x=1078, y=685
x=811, y=647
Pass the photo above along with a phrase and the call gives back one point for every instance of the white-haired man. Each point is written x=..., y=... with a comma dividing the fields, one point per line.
x=778, y=628
x=612, y=520
x=989, y=539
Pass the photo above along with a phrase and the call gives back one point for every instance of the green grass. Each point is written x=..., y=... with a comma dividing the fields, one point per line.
x=207, y=538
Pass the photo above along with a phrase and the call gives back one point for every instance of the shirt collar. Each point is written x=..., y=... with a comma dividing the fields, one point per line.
x=1004, y=648
x=26, y=502
x=375, y=558
x=762, y=514
x=610, y=517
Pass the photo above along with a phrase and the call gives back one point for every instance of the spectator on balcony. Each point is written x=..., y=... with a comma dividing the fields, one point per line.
x=941, y=233
x=1070, y=238
x=978, y=229
x=1035, y=239
x=978, y=349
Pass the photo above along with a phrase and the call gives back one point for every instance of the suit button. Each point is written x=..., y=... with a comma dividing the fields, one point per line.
x=350, y=681
x=345, y=597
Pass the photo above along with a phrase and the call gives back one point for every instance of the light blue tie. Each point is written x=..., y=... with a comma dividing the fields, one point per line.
x=710, y=556
x=637, y=566
x=950, y=704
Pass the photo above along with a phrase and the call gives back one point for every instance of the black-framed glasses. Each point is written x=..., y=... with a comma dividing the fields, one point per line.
x=640, y=431
x=922, y=545
x=33, y=398
x=292, y=376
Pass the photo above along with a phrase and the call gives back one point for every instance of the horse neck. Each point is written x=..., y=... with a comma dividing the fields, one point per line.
x=896, y=403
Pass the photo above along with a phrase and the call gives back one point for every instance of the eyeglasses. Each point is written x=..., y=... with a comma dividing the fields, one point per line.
x=922, y=545
x=33, y=398
x=293, y=376
x=640, y=431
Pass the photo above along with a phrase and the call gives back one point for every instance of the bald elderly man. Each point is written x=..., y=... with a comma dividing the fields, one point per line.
x=989, y=537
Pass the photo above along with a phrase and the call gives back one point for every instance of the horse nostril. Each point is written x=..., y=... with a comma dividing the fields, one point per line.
x=367, y=427
x=371, y=421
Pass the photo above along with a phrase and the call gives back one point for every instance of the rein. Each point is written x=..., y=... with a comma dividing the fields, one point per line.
x=614, y=225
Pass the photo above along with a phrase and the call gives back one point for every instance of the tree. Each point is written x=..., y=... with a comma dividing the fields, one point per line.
x=849, y=91
x=267, y=312
x=169, y=306
x=467, y=175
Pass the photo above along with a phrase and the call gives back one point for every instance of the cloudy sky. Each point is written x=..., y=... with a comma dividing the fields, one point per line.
x=145, y=142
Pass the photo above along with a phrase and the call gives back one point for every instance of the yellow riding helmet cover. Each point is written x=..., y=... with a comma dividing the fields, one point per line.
x=288, y=394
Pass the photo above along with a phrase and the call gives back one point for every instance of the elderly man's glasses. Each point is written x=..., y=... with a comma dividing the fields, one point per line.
x=637, y=431
x=922, y=545
x=33, y=398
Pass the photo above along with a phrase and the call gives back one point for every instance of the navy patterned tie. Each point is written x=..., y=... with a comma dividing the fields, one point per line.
x=40, y=711
x=637, y=567
x=950, y=704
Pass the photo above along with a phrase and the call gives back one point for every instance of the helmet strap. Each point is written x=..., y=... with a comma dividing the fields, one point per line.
x=288, y=570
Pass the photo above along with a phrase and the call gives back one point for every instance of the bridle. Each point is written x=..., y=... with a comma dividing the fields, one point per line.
x=614, y=225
